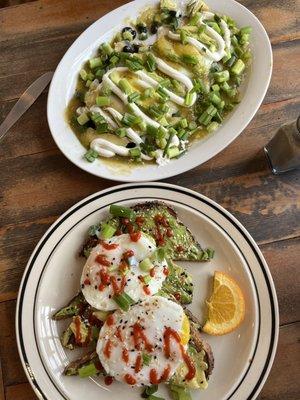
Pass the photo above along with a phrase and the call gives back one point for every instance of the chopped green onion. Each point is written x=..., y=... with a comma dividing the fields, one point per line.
x=151, y=63
x=99, y=73
x=162, y=93
x=183, y=37
x=195, y=19
x=106, y=49
x=121, y=132
x=215, y=99
x=130, y=120
x=147, y=279
x=127, y=35
x=91, y=155
x=180, y=393
x=123, y=301
x=83, y=74
x=192, y=125
x=107, y=231
x=95, y=62
x=155, y=398
x=151, y=130
x=114, y=60
x=160, y=254
x=231, y=61
x=189, y=59
x=212, y=126
x=149, y=390
x=189, y=99
x=134, y=65
x=238, y=67
x=183, y=123
x=215, y=26
x=135, y=152
x=102, y=101
x=83, y=119
x=222, y=76
x=173, y=152
x=88, y=83
x=125, y=86
x=146, y=265
x=148, y=93
x=121, y=211
x=172, y=133
x=146, y=359
x=87, y=370
x=246, y=30
x=134, y=97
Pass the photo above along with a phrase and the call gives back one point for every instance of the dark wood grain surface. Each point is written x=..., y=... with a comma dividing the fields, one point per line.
x=37, y=183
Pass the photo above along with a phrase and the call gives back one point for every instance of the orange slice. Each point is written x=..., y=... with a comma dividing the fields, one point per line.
x=226, y=307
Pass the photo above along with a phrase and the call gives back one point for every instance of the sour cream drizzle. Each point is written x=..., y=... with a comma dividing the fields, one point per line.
x=221, y=43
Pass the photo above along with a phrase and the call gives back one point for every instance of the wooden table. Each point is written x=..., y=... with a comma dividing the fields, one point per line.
x=37, y=183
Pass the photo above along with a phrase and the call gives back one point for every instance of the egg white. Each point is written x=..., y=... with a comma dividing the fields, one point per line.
x=143, y=248
x=154, y=314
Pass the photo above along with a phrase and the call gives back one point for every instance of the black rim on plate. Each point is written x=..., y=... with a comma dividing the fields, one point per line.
x=198, y=197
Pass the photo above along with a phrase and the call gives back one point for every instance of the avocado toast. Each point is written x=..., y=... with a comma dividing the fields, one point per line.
x=155, y=239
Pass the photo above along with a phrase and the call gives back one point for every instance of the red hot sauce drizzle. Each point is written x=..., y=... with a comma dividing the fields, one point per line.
x=109, y=246
x=129, y=379
x=170, y=333
x=138, y=364
x=107, y=349
x=116, y=288
x=139, y=337
x=102, y=260
x=125, y=355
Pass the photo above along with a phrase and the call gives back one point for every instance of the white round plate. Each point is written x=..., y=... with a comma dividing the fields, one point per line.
x=64, y=82
x=242, y=359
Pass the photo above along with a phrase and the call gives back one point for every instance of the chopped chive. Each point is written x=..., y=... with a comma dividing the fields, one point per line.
x=83, y=119
x=215, y=99
x=99, y=73
x=148, y=93
x=91, y=155
x=102, y=101
x=189, y=59
x=222, y=76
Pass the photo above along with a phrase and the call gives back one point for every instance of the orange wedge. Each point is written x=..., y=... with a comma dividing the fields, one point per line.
x=226, y=307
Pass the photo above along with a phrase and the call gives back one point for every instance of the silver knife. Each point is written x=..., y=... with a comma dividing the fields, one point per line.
x=25, y=101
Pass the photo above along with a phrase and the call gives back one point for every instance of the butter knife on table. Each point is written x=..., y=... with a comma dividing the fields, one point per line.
x=25, y=101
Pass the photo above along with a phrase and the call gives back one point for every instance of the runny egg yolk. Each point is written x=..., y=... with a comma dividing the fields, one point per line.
x=185, y=334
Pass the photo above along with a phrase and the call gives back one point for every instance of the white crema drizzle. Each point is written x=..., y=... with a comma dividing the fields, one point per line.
x=104, y=147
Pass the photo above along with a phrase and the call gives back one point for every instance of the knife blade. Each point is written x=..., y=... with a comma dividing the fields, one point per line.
x=25, y=101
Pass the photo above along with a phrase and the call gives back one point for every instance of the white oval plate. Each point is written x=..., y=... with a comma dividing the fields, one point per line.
x=64, y=82
x=242, y=359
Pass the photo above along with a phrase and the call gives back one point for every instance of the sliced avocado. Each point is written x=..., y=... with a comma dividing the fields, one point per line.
x=178, y=284
x=84, y=330
x=181, y=246
x=199, y=381
x=72, y=309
